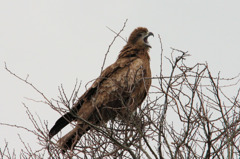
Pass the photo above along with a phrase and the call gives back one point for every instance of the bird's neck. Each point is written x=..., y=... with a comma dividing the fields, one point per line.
x=131, y=51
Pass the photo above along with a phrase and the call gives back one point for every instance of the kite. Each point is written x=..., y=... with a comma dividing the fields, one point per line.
x=118, y=91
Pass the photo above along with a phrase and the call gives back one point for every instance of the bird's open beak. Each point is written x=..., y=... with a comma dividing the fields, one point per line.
x=146, y=38
x=150, y=34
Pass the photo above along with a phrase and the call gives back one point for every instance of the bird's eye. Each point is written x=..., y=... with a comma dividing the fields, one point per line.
x=140, y=34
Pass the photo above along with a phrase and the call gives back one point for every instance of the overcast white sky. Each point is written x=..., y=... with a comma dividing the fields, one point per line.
x=58, y=41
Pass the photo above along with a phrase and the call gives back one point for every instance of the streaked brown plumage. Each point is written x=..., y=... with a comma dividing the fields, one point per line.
x=120, y=89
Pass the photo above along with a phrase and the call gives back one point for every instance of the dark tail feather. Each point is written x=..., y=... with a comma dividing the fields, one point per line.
x=61, y=123
x=65, y=119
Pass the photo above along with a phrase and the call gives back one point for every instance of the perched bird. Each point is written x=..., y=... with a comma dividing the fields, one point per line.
x=118, y=91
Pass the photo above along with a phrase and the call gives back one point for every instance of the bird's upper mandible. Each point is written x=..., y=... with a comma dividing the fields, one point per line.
x=140, y=37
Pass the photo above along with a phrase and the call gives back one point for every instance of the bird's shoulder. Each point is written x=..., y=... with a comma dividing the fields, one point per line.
x=116, y=69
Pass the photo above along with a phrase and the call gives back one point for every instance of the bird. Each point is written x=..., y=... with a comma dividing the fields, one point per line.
x=119, y=90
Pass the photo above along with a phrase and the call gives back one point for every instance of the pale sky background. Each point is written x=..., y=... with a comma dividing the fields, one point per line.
x=58, y=41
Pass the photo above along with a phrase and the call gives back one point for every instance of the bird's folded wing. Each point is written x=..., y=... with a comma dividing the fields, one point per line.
x=106, y=74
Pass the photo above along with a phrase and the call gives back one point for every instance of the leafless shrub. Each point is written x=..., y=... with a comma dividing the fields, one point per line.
x=187, y=115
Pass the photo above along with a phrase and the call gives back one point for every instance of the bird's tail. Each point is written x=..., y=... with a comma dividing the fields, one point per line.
x=69, y=141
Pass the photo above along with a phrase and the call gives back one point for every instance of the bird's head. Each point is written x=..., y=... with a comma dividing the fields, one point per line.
x=139, y=37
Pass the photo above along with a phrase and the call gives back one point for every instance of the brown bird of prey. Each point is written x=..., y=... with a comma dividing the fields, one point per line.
x=119, y=90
